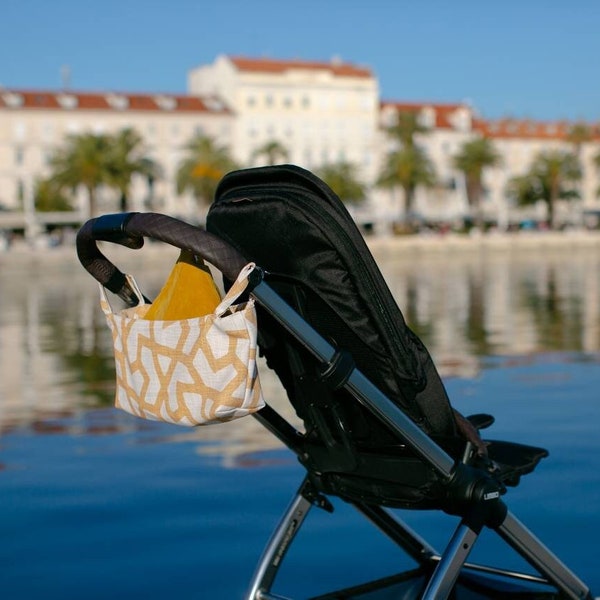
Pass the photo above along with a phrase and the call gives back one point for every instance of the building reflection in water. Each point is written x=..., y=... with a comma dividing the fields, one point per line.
x=56, y=364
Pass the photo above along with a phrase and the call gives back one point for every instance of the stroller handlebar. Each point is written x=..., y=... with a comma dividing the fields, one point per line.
x=129, y=229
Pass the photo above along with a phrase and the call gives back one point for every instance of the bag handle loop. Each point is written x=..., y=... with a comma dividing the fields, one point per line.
x=235, y=291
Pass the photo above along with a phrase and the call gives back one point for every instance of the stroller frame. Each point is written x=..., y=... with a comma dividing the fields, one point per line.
x=477, y=497
x=486, y=503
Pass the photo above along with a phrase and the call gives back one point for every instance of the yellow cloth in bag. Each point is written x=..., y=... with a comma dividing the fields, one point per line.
x=188, y=292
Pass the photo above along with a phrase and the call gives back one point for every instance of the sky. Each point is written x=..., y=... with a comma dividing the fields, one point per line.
x=535, y=59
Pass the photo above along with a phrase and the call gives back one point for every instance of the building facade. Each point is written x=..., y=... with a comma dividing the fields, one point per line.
x=319, y=112
x=35, y=123
x=448, y=126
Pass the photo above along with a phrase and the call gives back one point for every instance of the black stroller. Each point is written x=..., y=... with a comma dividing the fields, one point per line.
x=378, y=429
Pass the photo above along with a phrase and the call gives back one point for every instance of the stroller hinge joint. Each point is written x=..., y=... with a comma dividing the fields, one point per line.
x=337, y=371
x=309, y=492
x=476, y=496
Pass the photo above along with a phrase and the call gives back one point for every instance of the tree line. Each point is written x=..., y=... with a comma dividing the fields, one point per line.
x=92, y=161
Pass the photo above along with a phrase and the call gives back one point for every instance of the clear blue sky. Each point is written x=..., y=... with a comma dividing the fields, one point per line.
x=524, y=58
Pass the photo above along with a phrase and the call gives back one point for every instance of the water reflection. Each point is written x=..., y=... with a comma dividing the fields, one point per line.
x=55, y=349
x=498, y=302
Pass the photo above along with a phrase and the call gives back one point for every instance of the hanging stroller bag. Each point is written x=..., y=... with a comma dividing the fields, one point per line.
x=379, y=430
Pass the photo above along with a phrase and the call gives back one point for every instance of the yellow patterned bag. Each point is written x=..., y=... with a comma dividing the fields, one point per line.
x=190, y=371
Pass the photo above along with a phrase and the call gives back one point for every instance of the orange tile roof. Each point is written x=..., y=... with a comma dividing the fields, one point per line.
x=268, y=65
x=113, y=101
x=508, y=128
x=443, y=111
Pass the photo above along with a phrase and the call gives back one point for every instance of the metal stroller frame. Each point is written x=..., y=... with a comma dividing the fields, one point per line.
x=474, y=495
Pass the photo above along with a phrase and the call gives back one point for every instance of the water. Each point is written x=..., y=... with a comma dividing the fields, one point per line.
x=95, y=503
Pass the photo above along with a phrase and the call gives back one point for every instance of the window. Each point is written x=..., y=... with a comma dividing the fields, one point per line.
x=366, y=101
x=47, y=131
x=20, y=130
x=13, y=100
x=427, y=117
x=20, y=192
x=117, y=102
x=166, y=102
x=19, y=155
x=73, y=127
x=67, y=101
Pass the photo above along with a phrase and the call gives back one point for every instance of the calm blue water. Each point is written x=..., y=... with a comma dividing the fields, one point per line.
x=97, y=504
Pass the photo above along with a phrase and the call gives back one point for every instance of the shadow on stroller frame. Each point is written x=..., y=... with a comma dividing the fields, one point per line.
x=378, y=429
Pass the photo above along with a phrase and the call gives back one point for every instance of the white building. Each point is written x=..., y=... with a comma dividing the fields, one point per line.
x=320, y=112
x=34, y=123
x=519, y=142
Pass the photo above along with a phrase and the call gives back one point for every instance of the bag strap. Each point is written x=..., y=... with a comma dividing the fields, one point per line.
x=105, y=304
x=236, y=290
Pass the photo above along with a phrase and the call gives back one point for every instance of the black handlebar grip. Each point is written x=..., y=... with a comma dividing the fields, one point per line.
x=112, y=228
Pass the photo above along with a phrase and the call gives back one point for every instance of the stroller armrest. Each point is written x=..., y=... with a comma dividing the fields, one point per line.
x=481, y=420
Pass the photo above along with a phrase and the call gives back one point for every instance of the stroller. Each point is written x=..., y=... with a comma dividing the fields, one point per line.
x=378, y=429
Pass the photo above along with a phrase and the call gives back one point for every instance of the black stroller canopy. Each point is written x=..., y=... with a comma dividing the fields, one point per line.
x=291, y=223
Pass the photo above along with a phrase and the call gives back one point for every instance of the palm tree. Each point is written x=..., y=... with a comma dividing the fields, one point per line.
x=472, y=159
x=203, y=167
x=83, y=161
x=273, y=151
x=341, y=178
x=596, y=160
x=126, y=158
x=579, y=134
x=407, y=167
x=523, y=189
x=50, y=197
x=555, y=172
x=550, y=178
x=405, y=129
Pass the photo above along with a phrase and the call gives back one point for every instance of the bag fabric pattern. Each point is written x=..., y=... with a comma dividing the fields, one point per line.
x=195, y=371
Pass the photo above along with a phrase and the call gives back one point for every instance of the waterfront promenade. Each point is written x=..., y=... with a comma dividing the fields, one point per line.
x=22, y=253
